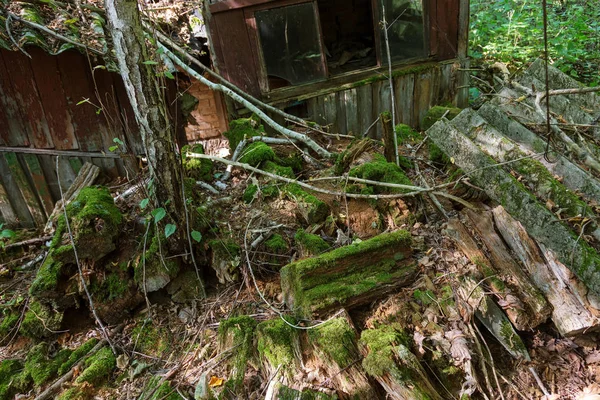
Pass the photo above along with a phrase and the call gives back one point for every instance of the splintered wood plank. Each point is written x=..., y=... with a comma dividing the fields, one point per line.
x=65, y=174
x=76, y=82
x=18, y=93
x=15, y=196
x=330, y=110
x=405, y=87
x=352, y=125
x=48, y=165
x=34, y=168
x=52, y=96
x=28, y=192
x=365, y=110
x=8, y=214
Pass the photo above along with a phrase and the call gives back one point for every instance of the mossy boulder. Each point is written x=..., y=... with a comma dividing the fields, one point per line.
x=382, y=171
x=153, y=271
x=196, y=168
x=243, y=128
x=436, y=113
x=257, y=153
x=310, y=244
x=40, y=367
x=348, y=276
x=40, y=321
x=94, y=221
x=310, y=208
x=10, y=384
x=226, y=259
x=98, y=367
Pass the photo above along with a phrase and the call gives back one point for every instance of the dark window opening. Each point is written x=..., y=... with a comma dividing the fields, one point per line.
x=291, y=45
x=348, y=34
x=405, y=29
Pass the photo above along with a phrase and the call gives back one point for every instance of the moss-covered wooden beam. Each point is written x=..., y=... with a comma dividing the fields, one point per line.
x=349, y=276
x=505, y=189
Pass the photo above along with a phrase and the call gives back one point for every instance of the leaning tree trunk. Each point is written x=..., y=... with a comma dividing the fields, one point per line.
x=145, y=95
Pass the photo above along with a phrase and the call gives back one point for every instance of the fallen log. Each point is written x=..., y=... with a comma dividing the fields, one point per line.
x=573, y=176
x=389, y=360
x=86, y=177
x=525, y=306
x=503, y=188
x=571, y=315
x=335, y=350
x=349, y=276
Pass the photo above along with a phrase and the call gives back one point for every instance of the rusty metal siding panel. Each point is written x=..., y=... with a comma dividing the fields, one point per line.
x=52, y=96
x=89, y=127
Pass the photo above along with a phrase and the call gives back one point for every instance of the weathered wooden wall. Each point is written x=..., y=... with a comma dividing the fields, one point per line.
x=355, y=107
x=42, y=115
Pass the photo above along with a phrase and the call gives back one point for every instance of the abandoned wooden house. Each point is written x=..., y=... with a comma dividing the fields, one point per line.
x=323, y=60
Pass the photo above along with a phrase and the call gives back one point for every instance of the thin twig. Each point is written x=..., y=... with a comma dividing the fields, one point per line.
x=12, y=39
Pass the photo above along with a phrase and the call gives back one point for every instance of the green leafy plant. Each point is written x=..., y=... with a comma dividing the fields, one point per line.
x=5, y=235
x=117, y=142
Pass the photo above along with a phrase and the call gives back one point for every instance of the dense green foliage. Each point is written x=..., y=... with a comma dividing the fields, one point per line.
x=511, y=31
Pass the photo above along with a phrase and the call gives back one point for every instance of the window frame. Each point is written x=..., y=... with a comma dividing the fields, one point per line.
x=251, y=6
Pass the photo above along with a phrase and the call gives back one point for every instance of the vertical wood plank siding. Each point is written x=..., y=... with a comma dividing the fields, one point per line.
x=42, y=106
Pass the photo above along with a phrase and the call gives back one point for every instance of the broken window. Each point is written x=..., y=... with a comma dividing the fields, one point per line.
x=291, y=45
x=406, y=31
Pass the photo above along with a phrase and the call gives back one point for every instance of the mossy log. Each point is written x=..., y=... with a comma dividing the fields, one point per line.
x=335, y=347
x=526, y=307
x=389, y=360
x=349, y=276
x=505, y=189
x=572, y=175
x=535, y=175
x=571, y=315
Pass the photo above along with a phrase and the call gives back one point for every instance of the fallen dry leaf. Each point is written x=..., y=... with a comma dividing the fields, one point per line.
x=215, y=382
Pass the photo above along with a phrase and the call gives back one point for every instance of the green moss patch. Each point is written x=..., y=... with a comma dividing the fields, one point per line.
x=47, y=278
x=382, y=171
x=40, y=367
x=150, y=339
x=277, y=169
x=237, y=332
x=311, y=208
x=94, y=221
x=277, y=244
x=40, y=321
x=241, y=129
x=153, y=269
x=337, y=340
x=436, y=113
x=276, y=344
x=286, y=393
x=250, y=194
x=310, y=244
x=98, y=367
x=196, y=168
x=257, y=153
x=405, y=134
x=349, y=275
x=162, y=392
x=76, y=355
x=11, y=381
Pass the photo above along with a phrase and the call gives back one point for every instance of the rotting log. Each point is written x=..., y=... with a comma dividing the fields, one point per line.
x=389, y=360
x=535, y=175
x=86, y=177
x=335, y=350
x=349, y=276
x=505, y=189
x=570, y=315
x=573, y=176
x=525, y=307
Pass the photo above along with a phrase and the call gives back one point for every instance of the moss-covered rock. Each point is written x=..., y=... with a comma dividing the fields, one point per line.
x=226, y=259
x=98, y=367
x=250, y=194
x=152, y=270
x=257, y=153
x=40, y=321
x=277, y=169
x=80, y=392
x=196, y=168
x=46, y=279
x=238, y=333
x=9, y=322
x=277, y=244
x=243, y=128
x=94, y=221
x=150, y=339
x=348, y=276
x=436, y=113
x=310, y=244
x=382, y=171
x=310, y=208
x=76, y=355
x=9, y=369
x=337, y=340
x=40, y=367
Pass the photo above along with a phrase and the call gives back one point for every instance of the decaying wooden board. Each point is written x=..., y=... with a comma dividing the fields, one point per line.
x=8, y=214
x=352, y=125
x=519, y=306
x=404, y=86
x=29, y=195
x=502, y=187
x=365, y=110
x=335, y=350
x=30, y=161
x=349, y=276
x=571, y=314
